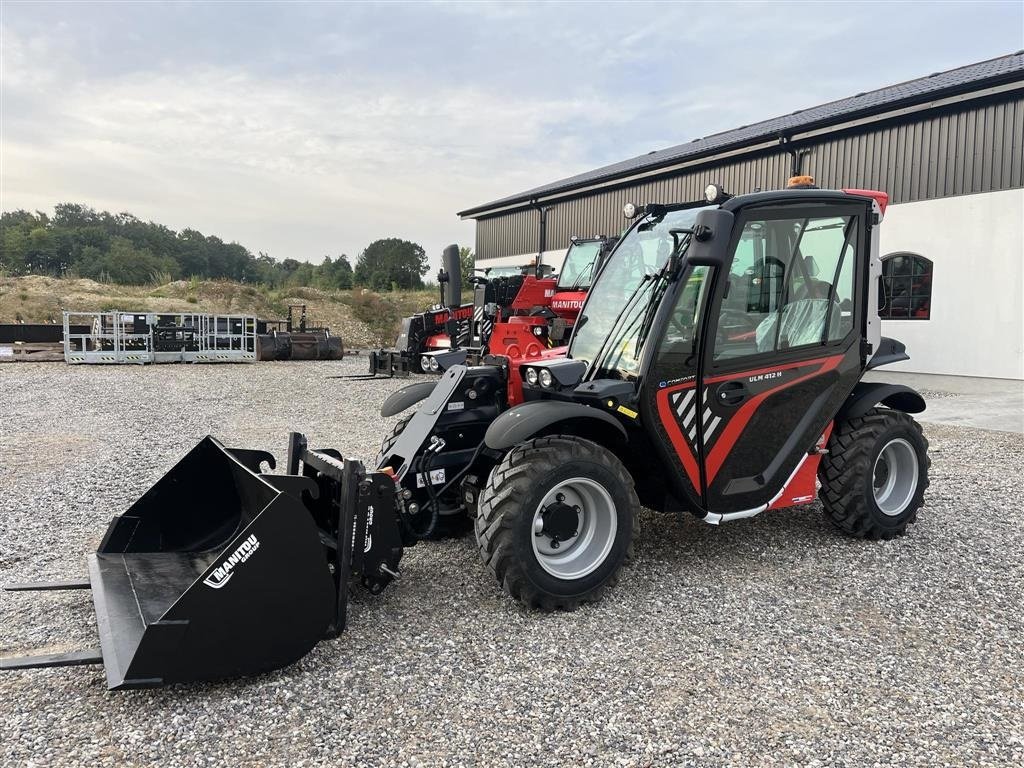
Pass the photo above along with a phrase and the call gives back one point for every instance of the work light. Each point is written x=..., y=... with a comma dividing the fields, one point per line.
x=715, y=194
x=545, y=377
x=531, y=376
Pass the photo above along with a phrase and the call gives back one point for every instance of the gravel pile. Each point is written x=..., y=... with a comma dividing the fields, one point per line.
x=770, y=641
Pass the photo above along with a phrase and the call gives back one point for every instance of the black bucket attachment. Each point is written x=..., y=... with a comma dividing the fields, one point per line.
x=220, y=571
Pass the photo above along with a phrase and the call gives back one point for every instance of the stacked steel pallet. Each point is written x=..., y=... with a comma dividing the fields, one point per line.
x=118, y=338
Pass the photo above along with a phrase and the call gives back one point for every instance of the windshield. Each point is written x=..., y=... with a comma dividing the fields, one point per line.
x=621, y=297
x=493, y=272
x=578, y=268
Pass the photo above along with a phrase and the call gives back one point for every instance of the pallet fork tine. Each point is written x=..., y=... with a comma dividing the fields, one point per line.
x=47, y=660
x=47, y=586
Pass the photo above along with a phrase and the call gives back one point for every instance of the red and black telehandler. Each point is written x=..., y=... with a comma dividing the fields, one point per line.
x=687, y=386
x=516, y=312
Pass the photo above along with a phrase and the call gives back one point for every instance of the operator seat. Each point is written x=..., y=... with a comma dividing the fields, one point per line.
x=803, y=321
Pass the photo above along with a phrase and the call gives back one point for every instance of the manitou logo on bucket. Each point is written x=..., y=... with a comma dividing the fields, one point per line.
x=222, y=574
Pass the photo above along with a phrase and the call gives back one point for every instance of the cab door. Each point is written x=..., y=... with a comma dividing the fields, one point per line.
x=782, y=347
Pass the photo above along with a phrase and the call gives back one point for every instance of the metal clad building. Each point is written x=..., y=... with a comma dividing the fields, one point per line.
x=949, y=150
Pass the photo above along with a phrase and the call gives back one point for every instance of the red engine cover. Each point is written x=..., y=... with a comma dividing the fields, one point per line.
x=567, y=304
x=533, y=293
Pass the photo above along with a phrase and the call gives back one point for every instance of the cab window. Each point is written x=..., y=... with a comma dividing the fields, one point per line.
x=677, y=353
x=791, y=284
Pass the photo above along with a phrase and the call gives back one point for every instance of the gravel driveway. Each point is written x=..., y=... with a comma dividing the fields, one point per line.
x=769, y=641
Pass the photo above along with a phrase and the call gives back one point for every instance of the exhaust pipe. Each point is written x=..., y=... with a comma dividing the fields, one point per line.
x=451, y=264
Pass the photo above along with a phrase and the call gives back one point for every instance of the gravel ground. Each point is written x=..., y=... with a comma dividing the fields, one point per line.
x=770, y=641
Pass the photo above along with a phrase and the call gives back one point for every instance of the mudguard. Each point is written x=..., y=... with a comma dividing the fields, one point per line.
x=889, y=351
x=866, y=395
x=524, y=421
x=408, y=396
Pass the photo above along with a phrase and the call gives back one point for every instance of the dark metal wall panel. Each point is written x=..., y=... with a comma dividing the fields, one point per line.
x=976, y=148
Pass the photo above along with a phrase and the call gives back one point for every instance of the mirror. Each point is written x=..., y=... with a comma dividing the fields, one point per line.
x=710, y=247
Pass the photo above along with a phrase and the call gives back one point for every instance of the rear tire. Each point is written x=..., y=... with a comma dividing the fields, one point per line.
x=875, y=474
x=579, y=490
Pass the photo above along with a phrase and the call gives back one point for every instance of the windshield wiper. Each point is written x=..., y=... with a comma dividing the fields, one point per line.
x=670, y=268
x=583, y=272
x=598, y=358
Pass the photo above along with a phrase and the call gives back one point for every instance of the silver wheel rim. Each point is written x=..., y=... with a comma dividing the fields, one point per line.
x=597, y=525
x=894, y=477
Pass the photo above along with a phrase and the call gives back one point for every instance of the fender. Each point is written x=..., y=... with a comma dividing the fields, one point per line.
x=398, y=401
x=867, y=395
x=519, y=424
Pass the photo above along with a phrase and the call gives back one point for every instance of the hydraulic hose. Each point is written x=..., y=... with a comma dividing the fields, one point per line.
x=436, y=495
x=424, y=468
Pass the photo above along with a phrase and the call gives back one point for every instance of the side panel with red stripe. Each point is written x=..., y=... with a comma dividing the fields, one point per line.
x=758, y=425
x=741, y=449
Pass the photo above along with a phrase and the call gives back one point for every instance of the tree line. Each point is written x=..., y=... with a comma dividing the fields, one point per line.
x=78, y=241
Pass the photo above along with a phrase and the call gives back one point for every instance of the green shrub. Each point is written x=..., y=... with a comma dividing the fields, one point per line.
x=381, y=315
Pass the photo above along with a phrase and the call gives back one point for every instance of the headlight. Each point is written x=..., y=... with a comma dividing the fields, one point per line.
x=714, y=193
x=531, y=376
x=433, y=364
x=545, y=378
x=629, y=210
x=425, y=363
x=538, y=330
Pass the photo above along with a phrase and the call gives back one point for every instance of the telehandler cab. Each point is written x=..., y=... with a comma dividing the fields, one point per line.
x=715, y=368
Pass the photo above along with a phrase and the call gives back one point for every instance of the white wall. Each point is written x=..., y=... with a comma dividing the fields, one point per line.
x=976, y=243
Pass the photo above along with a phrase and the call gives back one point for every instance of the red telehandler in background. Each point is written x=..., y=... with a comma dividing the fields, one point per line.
x=517, y=312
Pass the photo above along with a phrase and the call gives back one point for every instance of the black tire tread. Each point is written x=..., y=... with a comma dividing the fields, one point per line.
x=500, y=511
x=847, y=466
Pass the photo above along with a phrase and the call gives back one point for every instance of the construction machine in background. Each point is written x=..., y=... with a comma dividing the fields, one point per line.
x=516, y=311
x=432, y=330
x=297, y=338
x=686, y=387
x=522, y=316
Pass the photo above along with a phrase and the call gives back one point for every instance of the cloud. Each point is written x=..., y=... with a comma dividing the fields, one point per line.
x=307, y=130
x=375, y=158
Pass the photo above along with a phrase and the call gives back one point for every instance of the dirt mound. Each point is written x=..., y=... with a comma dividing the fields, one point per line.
x=361, y=318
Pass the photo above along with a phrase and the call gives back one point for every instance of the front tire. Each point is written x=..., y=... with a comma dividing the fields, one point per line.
x=875, y=474
x=555, y=522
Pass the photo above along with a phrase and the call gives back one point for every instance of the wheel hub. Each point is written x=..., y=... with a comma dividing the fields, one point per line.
x=559, y=521
x=574, y=528
x=894, y=477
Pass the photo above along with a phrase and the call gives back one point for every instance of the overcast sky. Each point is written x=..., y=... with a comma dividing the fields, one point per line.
x=306, y=130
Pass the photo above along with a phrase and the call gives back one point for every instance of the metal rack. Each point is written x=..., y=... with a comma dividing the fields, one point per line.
x=159, y=337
